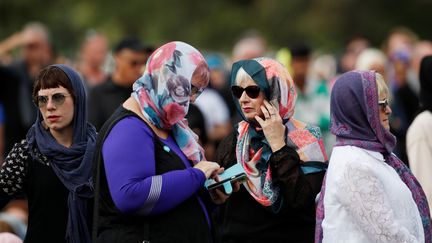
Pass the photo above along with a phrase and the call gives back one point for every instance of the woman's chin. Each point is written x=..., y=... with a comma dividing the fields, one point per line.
x=249, y=118
x=253, y=121
x=386, y=125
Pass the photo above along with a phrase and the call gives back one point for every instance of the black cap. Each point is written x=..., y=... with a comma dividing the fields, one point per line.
x=133, y=44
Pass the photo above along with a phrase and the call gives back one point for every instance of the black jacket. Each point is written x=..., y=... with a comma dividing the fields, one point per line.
x=185, y=223
x=243, y=219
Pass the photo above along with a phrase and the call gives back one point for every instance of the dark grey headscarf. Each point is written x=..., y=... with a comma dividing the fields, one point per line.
x=72, y=165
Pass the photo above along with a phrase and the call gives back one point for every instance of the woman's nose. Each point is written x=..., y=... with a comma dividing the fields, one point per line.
x=50, y=104
x=244, y=97
x=388, y=110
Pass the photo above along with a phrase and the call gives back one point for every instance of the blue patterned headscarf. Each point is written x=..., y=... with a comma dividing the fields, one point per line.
x=355, y=121
x=278, y=87
x=73, y=165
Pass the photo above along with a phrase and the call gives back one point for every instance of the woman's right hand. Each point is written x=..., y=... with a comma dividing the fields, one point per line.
x=209, y=168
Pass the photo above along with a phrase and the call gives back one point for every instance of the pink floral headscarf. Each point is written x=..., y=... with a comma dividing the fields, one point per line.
x=164, y=92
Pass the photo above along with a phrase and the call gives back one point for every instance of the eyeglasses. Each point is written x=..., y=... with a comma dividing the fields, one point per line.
x=195, y=90
x=251, y=91
x=383, y=103
x=57, y=98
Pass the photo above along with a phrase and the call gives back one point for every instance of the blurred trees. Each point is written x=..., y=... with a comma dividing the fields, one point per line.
x=217, y=24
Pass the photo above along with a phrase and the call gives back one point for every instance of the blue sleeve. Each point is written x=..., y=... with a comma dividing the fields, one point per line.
x=129, y=159
x=2, y=115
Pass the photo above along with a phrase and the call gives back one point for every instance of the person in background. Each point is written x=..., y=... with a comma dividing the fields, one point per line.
x=196, y=123
x=219, y=81
x=8, y=45
x=53, y=164
x=130, y=56
x=250, y=45
x=313, y=100
x=353, y=47
x=419, y=135
x=217, y=119
x=36, y=53
x=216, y=102
x=368, y=194
x=9, y=97
x=156, y=193
x=404, y=101
x=421, y=49
x=92, y=56
x=372, y=59
x=284, y=160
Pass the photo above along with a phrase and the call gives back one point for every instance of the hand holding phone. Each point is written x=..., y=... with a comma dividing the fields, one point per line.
x=233, y=174
x=273, y=128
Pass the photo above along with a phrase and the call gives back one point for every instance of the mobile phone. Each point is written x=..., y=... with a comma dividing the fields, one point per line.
x=232, y=174
x=234, y=178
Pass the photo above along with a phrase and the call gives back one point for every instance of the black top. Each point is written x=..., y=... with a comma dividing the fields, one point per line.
x=15, y=94
x=242, y=219
x=184, y=223
x=47, y=196
x=104, y=99
x=404, y=106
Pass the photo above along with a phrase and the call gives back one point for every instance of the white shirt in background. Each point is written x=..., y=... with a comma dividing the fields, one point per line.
x=214, y=109
x=419, y=150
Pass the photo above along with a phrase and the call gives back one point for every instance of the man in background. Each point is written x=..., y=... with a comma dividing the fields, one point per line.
x=16, y=80
x=130, y=57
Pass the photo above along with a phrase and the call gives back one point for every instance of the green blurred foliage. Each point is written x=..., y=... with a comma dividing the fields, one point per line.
x=217, y=24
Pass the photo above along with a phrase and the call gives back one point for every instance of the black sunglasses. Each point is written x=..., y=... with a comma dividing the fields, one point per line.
x=251, y=91
x=383, y=103
x=57, y=98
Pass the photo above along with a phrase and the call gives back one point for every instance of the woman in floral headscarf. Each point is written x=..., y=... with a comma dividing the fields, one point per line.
x=284, y=159
x=150, y=166
x=369, y=195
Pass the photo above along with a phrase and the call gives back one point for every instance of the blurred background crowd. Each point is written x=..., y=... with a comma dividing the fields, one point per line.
x=108, y=42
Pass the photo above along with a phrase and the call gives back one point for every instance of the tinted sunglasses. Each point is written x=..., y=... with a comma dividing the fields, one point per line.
x=383, y=104
x=57, y=98
x=251, y=91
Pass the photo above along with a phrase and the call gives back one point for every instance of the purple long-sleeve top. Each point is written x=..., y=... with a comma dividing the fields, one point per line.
x=130, y=168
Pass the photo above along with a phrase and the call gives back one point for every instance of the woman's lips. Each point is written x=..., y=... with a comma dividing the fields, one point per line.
x=247, y=109
x=53, y=118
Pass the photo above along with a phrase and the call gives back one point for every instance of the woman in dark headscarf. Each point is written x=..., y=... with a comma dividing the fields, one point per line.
x=53, y=165
x=284, y=159
x=368, y=195
x=419, y=135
